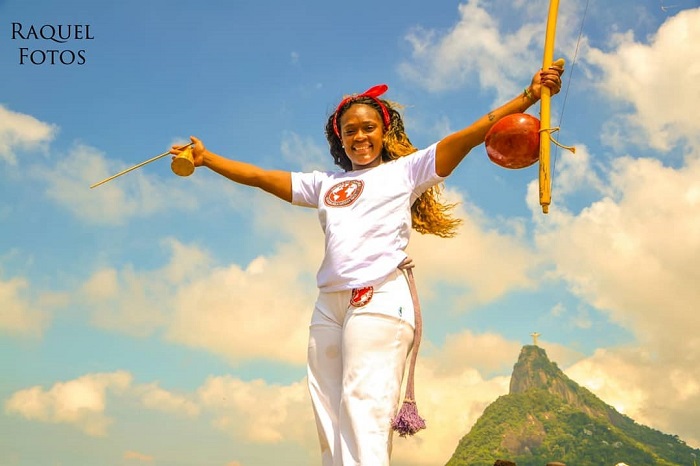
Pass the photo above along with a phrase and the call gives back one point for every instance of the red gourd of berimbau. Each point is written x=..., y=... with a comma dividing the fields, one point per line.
x=514, y=141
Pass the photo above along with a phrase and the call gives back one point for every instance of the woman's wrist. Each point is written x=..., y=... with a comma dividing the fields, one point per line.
x=206, y=158
x=529, y=95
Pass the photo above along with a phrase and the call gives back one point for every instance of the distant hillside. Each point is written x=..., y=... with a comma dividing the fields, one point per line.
x=549, y=417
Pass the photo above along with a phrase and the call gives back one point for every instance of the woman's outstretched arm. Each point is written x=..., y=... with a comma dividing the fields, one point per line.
x=276, y=182
x=452, y=149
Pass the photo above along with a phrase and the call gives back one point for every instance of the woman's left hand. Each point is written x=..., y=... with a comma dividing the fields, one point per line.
x=550, y=78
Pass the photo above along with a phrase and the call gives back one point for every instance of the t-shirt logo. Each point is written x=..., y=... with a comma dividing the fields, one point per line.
x=344, y=193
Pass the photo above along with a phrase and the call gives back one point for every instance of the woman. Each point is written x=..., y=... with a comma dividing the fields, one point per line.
x=362, y=326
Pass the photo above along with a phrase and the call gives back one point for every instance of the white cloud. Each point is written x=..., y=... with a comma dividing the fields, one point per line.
x=451, y=394
x=139, y=302
x=475, y=48
x=486, y=353
x=260, y=310
x=83, y=402
x=486, y=260
x=633, y=255
x=20, y=314
x=662, y=393
x=573, y=173
x=260, y=412
x=154, y=397
x=80, y=402
x=103, y=284
x=127, y=300
x=450, y=391
x=242, y=313
x=223, y=292
x=658, y=79
x=135, y=194
x=22, y=132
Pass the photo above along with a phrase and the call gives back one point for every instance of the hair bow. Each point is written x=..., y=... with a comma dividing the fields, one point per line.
x=372, y=93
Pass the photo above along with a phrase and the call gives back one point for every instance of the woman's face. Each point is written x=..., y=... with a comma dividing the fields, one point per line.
x=361, y=132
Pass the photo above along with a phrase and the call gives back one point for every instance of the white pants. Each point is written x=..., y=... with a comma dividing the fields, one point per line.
x=356, y=362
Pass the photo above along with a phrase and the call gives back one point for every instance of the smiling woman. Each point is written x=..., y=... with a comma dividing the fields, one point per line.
x=371, y=131
x=361, y=131
x=367, y=319
x=213, y=283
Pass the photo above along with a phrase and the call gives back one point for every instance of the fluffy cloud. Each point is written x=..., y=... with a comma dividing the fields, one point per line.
x=658, y=80
x=152, y=396
x=139, y=302
x=136, y=194
x=232, y=311
x=633, y=252
x=261, y=310
x=474, y=47
x=83, y=402
x=486, y=260
x=20, y=315
x=22, y=132
x=80, y=402
x=633, y=255
x=486, y=353
x=660, y=393
x=452, y=392
x=226, y=309
x=260, y=412
x=126, y=300
x=479, y=47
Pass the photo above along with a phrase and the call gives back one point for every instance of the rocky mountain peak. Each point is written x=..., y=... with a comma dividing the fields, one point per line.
x=533, y=370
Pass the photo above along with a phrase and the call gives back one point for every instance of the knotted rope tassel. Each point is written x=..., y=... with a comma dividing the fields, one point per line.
x=408, y=421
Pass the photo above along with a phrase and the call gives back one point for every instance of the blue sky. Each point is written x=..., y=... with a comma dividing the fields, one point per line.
x=162, y=320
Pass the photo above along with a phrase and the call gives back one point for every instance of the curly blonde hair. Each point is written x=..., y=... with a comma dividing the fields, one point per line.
x=428, y=213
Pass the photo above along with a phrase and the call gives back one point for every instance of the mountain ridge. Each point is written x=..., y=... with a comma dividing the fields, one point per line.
x=547, y=416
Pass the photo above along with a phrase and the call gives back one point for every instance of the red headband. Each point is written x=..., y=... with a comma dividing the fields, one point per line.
x=372, y=93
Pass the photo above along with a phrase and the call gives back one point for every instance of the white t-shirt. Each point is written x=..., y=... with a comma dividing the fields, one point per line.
x=366, y=216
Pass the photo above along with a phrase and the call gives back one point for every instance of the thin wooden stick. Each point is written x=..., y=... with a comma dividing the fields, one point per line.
x=138, y=166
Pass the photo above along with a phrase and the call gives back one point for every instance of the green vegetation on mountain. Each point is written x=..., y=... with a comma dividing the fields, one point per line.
x=548, y=417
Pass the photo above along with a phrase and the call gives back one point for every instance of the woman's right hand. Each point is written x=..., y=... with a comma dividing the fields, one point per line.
x=198, y=151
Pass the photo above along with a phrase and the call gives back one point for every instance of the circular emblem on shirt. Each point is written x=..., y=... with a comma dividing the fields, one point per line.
x=344, y=193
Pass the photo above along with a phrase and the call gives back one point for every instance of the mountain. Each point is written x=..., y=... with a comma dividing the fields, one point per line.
x=548, y=417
